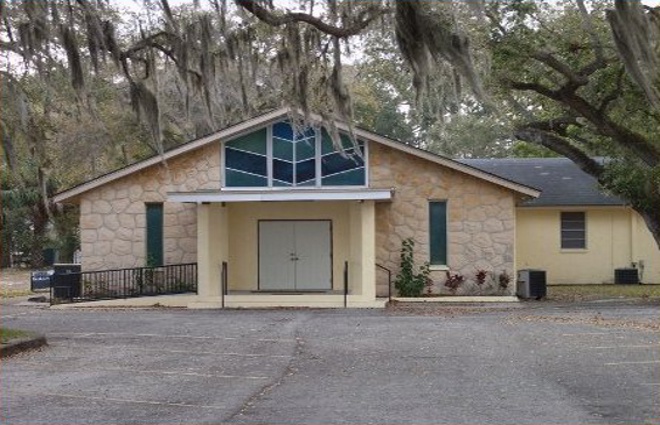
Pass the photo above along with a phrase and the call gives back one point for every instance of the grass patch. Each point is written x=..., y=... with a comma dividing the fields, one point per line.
x=7, y=335
x=602, y=292
x=11, y=293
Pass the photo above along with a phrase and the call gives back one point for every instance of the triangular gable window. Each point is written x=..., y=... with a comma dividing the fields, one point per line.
x=278, y=156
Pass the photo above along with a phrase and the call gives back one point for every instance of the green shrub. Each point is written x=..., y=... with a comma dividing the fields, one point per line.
x=408, y=282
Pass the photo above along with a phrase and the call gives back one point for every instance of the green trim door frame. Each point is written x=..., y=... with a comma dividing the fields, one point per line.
x=154, y=237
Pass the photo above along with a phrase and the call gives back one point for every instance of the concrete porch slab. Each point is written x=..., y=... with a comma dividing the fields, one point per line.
x=287, y=300
x=235, y=301
x=177, y=300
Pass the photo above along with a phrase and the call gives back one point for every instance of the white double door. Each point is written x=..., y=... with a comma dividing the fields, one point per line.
x=295, y=255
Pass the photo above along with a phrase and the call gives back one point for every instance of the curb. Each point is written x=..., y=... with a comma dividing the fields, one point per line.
x=22, y=344
x=459, y=299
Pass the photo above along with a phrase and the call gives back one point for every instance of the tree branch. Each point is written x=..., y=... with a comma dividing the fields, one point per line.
x=627, y=139
x=279, y=19
x=587, y=24
x=11, y=46
x=614, y=95
x=143, y=44
x=557, y=125
x=563, y=147
x=560, y=125
x=535, y=87
x=550, y=60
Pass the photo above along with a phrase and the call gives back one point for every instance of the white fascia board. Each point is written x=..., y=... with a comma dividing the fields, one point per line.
x=282, y=196
x=218, y=136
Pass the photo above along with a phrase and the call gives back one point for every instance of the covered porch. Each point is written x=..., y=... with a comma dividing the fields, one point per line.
x=286, y=248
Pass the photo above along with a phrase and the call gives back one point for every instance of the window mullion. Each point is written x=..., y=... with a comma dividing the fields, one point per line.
x=294, y=175
x=269, y=154
x=317, y=156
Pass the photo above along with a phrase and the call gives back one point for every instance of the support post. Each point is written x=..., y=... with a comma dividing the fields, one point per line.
x=212, y=248
x=362, y=271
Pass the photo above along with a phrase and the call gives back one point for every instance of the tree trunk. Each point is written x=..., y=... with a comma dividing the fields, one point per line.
x=652, y=220
x=5, y=261
x=40, y=223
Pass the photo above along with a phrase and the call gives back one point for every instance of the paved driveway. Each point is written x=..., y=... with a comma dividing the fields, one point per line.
x=533, y=363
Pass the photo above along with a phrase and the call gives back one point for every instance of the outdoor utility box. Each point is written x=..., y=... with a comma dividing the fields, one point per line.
x=531, y=284
x=66, y=281
x=626, y=276
x=40, y=279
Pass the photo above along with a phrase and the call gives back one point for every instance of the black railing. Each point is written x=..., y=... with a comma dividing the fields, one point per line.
x=123, y=283
x=223, y=282
x=389, y=281
x=345, y=284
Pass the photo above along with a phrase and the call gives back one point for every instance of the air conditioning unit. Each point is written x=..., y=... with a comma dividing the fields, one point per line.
x=626, y=276
x=531, y=284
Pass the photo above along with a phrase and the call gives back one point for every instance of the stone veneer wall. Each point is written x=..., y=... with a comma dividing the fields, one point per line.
x=481, y=220
x=113, y=220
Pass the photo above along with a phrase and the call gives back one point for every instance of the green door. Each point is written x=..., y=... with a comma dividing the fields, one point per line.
x=154, y=234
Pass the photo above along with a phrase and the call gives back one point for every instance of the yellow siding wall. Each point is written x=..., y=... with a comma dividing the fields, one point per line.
x=243, y=272
x=645, y=249
x=610, y=245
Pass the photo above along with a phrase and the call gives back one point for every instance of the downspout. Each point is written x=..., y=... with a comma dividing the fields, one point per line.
x=632, y=235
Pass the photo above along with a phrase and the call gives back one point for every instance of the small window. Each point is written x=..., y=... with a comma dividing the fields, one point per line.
x=438, y=233
x=573, y=230
x=154, y=234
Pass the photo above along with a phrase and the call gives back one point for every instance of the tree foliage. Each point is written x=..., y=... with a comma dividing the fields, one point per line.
x=68, y=71
x=573, y=77
x=467, y=78
x=575, y=96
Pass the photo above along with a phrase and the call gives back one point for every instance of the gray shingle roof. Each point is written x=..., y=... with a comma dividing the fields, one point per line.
x=561, y=181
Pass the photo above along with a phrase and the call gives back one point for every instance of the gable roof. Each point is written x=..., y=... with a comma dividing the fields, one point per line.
x=561, y=181
x=270, y=117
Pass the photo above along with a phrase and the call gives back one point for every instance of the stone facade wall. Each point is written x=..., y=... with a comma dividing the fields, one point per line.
x=480, y=216
x=113, y=216
x=480, y=220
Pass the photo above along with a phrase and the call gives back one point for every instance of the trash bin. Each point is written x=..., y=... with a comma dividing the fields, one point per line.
x=40, y=279
x=66, y=281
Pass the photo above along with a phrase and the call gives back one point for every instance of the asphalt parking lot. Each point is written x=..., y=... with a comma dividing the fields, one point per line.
x=527, y=363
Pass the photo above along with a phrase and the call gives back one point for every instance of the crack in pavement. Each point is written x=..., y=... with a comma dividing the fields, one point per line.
x=287, y=372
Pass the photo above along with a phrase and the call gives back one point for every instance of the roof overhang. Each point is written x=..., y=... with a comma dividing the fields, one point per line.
x=229, y=132
x=282, y=195
x=248, y=125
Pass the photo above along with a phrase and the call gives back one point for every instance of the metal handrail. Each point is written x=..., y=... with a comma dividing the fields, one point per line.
x=345, y=284
x=389, y=280
x=223, y=282
x=123, y=283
